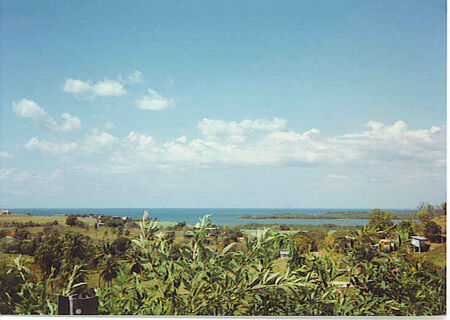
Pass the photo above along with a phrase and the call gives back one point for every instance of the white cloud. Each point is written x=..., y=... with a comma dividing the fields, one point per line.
x=394, y=145
x=181, y=139
x=211, y=127
x=34, y=144
x=93, y=142
x=70, y=122
x=98, y=140
x=21, y=182
x=337, y=176
x=140, y=140
x=381, y=146
x=396, y=142
x=108, y=88
x=77, y=86
x=105, y=88
x=292, y=136
x=109, y=125
x=6, y=155
x=6, y=172
x=29, y=109
x=135, y=77
x=236, y=139
x=153, y=101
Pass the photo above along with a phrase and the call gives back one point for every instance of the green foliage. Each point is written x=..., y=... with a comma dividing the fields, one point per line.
x=433, y=231
x=109, y=269
x=427, y=211
x=303, y=241
x=381, y=220
x=425, y=216
x=30, y=296
x=72, y=220
x=121, y=244
x=10, y=282
x=114, y=223
x=154, y=275
x=27, y=247
x=179, y=225
x=393, y=284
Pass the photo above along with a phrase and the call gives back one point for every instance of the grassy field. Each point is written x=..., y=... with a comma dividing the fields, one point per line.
x=442, y=222
x=98, y=234
x=437, y=254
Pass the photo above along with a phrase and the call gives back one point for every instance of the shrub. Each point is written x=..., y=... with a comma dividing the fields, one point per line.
x=121, y=244
x=179, y=225
x=27, y=247
x=114, y=223
x=71, y=220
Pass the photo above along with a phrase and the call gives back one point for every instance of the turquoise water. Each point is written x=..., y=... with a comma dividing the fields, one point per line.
x=220, y=216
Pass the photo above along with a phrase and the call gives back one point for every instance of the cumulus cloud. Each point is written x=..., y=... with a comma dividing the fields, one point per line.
x=380, y=146
x=6, y=172
x=105, y=88
x=153, y=101
x=70, y=122
x=212, y=128
x=77, y=86
x=29, y=109
x=337, y=176
x=181, y=139
x=135, y=77
x=108, y=88
x=109, y=125
x=93, y=142
x=396, y=142
x=6, y=155
x=140, y=140
x=22, y=182
x=292, y=136
x=34, y=144
x=97, y=140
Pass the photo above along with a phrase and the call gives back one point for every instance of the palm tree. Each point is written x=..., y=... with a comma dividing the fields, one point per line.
x=105, y=249
x=74, y=246
x=109, y=269
x=134, y=260
x=49, y=255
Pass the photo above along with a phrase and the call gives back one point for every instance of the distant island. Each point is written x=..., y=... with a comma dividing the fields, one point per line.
x=326, y=215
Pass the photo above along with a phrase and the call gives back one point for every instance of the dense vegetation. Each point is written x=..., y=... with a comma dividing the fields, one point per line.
x=206, y=272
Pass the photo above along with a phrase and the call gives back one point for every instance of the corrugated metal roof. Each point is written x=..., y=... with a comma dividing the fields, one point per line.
x=419, y=238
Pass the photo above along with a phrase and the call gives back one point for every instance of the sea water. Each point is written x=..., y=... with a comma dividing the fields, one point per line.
x=220, y=216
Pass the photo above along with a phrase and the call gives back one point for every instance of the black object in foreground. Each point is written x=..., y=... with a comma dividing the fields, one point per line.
x=77, y=306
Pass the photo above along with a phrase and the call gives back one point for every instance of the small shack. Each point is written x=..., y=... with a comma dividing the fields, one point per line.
x=189, y=234
x=386, y=245
x=242, y=239
x=284, y=254
x=12, y=235
x=420, y=244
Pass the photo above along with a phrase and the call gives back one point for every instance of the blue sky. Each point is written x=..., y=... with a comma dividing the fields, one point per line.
x=233, y=104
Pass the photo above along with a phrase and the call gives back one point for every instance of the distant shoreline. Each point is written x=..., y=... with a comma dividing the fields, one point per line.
x=221, y=216
x=364, y=215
